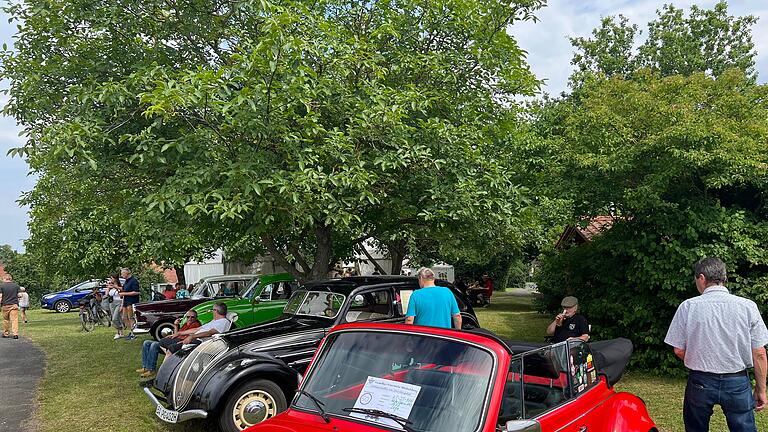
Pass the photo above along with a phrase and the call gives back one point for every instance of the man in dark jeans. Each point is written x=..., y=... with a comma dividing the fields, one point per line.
x=719, y=336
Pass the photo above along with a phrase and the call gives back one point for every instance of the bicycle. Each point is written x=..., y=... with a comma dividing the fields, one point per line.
x=87, y=319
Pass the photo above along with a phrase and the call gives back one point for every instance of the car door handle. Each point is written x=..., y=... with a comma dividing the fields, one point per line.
x=583, y=429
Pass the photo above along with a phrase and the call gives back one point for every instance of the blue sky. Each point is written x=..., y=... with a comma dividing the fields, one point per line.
x=549, y=54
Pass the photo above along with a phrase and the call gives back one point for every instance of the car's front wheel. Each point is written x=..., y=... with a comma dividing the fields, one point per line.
x=250, y=404
x=62, y=306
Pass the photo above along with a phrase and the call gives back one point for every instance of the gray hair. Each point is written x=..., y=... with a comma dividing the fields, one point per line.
x=426, y=273
x=220, y=308
x=126, y=269
x=713, y=270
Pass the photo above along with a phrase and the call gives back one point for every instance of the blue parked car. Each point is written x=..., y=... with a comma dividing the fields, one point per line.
x=64, y=301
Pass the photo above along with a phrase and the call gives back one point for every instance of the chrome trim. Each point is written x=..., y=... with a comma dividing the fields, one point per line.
x=488, y=393
x=296, y=354
x=183, y=415
x=272, y=342
x=298, y=362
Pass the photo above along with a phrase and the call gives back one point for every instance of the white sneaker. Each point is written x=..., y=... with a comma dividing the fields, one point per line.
x=117, y=336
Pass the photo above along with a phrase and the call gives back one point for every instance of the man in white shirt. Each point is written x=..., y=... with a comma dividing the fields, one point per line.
x=719, y=336
x=220, y=324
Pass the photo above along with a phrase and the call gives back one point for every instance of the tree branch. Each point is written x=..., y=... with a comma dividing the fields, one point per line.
x=370, y=258
x=269, y=243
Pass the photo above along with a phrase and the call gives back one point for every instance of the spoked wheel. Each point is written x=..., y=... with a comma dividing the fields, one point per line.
x=87, y=322
x=252, y=403
x=103, y=318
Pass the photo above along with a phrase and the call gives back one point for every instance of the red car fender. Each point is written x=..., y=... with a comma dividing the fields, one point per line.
x=625, y=412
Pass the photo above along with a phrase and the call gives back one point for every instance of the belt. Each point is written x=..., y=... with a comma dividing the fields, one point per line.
x=721, y=375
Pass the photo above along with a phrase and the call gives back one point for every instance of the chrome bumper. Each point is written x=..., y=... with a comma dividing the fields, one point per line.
x=183, y=415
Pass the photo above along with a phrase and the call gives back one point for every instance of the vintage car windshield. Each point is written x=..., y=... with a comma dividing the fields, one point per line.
x=251, y=288
x=314, y=303
x=437, y=384
x=214, y=288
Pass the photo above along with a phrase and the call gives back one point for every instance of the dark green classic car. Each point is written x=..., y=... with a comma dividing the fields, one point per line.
x=263, y=300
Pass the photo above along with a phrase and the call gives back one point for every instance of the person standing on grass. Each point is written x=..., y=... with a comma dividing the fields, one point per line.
x=23, y=303
x=115, y=304
x=719, y=336
x=432, y=305
x=130, y=295
x=9, y=299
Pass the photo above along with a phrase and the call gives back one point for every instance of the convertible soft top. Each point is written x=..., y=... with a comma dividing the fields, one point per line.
x=611, y=356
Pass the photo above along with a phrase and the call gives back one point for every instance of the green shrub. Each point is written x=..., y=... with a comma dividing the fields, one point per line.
x=631, y=279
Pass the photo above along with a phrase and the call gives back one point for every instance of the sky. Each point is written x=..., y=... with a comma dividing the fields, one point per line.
x=546, y=42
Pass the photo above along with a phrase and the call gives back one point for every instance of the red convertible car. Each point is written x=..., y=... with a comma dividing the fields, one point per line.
x=385, y=377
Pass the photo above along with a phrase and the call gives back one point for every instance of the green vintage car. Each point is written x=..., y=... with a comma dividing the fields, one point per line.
x=263, y=300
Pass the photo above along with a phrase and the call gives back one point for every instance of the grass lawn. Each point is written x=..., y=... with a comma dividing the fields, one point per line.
x=90, y=384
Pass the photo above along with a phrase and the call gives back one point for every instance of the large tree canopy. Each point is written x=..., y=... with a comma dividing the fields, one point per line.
x=305, y=125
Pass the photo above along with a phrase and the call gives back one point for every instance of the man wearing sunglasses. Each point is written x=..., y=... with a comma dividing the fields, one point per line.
x=169, y=344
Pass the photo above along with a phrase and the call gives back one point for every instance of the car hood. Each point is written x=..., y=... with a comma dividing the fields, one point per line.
x=283, y=325
x=296, y=421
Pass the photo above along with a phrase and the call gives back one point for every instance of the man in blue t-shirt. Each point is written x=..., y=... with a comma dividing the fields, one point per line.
x=432, y=305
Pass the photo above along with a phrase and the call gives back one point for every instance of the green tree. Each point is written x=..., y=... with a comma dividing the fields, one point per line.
x=681, y=162
x=706, y=40
x=301, y=124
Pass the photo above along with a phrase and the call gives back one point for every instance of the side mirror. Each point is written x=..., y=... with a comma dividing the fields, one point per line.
x=523, y=426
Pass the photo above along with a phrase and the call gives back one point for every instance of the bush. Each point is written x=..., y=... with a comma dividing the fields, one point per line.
x=631, y=279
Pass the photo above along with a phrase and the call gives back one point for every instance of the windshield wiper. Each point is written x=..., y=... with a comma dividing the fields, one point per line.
x=404, y=422
x=318, y=403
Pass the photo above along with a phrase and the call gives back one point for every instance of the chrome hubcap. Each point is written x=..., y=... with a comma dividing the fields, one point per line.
x=165, y=331
x=253, y=407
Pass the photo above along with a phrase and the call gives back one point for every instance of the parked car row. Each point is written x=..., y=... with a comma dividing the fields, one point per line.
x=373, y=373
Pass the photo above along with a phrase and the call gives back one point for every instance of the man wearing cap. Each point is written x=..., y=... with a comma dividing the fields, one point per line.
x=719, y=336
x=569, y=324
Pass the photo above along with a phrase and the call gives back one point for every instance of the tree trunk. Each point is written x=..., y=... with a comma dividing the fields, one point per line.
x=180, y=275
x=397, y=254
x=323, y=244
x=322, y=258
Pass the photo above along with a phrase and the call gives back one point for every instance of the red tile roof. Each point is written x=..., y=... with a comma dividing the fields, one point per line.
x=578, y=235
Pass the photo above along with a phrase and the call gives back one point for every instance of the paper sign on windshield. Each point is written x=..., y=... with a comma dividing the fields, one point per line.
x=392, y=397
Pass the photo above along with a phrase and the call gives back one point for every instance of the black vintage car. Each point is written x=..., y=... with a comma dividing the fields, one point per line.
x=244, y=377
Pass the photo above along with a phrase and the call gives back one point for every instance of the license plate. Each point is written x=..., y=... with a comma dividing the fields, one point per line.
x=167, y=415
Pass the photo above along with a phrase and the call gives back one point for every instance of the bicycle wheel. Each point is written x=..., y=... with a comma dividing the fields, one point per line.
x=87, y=321
x=103, y=317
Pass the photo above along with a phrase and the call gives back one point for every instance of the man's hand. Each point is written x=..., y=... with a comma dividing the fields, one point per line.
x=187, y=340
x=760, y=400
